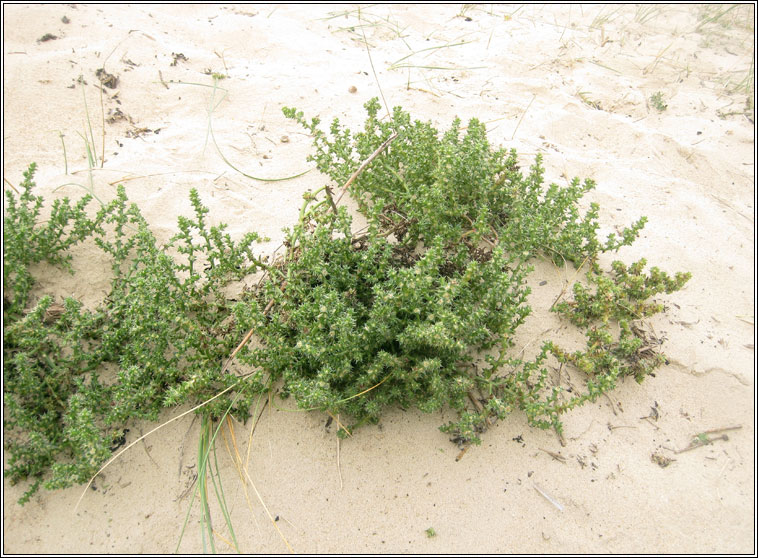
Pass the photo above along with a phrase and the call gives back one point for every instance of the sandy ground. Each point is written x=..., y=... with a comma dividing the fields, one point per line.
x=571, y=82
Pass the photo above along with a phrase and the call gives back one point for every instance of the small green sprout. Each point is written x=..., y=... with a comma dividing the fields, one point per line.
x=656, y=99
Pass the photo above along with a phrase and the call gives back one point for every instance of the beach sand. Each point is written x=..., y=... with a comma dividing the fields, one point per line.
x=571, y=82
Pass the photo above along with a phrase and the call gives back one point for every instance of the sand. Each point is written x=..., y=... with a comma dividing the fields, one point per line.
x=571, y=82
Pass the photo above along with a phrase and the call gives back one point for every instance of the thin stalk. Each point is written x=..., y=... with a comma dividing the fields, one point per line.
x=65, y=157
x=206, y=524
x=522, y=116
x=209, y=132
x=396, y=62
x=450, y=68
x=371, y=61
x=219, y=490
x=102, y=114
x=91, y=139
x=205, y=444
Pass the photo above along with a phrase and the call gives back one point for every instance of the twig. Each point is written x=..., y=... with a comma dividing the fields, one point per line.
x=462, y=453
x=556, y=456
x=147, y=451
x=243, y=342
x=11, y=185
x=548, y=497
x=249, y=334
x=365, y=163
x=181, y=453
x=339, y=424
x=522, y=116
x=229, y=544
x=726, y=429
x=650, y=420
x=561, y=439
x=479, y=407
x=700, y=444
x=188, y=489
x=612, y=428
x=613, y=404
x=273, y=522
x=701, y=439
x=290, y=523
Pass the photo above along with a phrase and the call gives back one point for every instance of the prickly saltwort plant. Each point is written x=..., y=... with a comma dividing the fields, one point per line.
x=73, y=377
x=348, y=323
x=464, y=214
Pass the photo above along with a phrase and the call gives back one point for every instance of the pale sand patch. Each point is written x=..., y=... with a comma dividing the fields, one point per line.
x=586, y=74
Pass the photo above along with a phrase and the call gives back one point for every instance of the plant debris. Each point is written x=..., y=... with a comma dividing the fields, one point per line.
x=108, y=80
